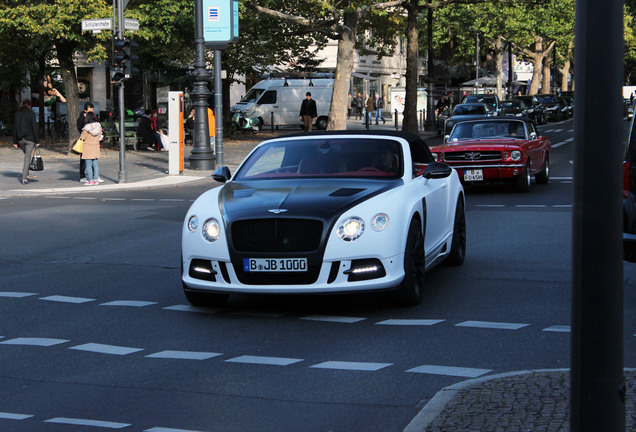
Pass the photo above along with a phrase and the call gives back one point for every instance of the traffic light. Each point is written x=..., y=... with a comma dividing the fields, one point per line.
x=123, y=60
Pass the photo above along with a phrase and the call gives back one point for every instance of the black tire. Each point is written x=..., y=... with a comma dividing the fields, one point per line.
x=458, y=246
x=522, y=183
x=543, y=177
x=410, y=290
x=196, y=298
x=321, y=123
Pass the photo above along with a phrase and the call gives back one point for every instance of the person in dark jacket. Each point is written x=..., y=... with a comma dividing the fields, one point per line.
x=308, y=111
x=147, y=131
x=25, y=135
x=81, y=121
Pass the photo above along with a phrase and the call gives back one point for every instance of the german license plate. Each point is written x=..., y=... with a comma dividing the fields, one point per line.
x=275, y=264
x=473, y=175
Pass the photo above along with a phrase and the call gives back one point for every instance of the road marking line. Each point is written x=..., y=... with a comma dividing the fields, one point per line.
x=562, y=206
x=561, y=178
x=16, y=294
x=184, y=355
x=45, y=342
x=114, y=199
x=171, y=199
x=274, y=361
x=84, y=198
x=106, y=349
x=65, y=299
x=531, y=206
x=328, y=318
x=450, y=371
x=492, y=325
x=132, y=303
x=86, y=422
x=354, y=366
x=56, y=197
x=558, y=328
x=410, y=322
x=143, y=199
x=13, y=416
x=490, y=205
x=188, y=308
x=565, y=141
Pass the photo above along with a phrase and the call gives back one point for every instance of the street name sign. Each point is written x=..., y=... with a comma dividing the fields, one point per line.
x=97, y=25
x=131, y=24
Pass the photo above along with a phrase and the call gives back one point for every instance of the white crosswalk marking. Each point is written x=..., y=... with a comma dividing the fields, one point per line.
x=66, y=299
x=558, y=329
x=492, y=325
x=274, y=361
x=86, y=422
x=410, y=322
x=106, y=349
x=450, y=371
x=188, y=308
x=14, y=416
x=184, y=355
x=130, y=303
x=352, y=366
x=44, y=342
x=16, y=294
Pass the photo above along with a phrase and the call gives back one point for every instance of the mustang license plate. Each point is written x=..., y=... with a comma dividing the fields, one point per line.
x=275, y=264
x=473, y=175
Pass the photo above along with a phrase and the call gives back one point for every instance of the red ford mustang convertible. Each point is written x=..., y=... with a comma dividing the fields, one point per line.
x=497, y=150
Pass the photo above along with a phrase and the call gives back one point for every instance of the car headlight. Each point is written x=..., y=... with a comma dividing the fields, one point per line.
x=193, y=223
x=515, y=155
x=351, y=229
x=380, y=222
x=435, y=157
x=211, y=230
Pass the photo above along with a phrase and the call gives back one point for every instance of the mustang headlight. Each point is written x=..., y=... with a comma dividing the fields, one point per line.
x=380, y=222
x=351, y=229
x=515, y=155
x=211, y=230
x=193, y=223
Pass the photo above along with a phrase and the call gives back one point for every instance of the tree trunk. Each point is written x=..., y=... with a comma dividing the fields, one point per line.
x=409, y=121
x=565, y=70
x=547, y=71
x=499, y=53
x=65, y=58
x=344, y=67
x=537, y=64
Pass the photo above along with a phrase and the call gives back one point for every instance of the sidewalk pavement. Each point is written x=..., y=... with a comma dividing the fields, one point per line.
x=519, y=401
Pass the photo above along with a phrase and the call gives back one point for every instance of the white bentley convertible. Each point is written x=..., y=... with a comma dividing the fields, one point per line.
x=326, y=212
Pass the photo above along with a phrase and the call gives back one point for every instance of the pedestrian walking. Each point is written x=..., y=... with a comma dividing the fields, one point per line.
x=81, y=121
x=308, y=111
x=25, y=135
x=359, y=106
x=368, y=104
x=378, y=104
x=90, y=134
x=349, y=106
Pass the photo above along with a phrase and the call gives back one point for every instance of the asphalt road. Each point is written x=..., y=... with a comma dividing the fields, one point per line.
x=95, y=333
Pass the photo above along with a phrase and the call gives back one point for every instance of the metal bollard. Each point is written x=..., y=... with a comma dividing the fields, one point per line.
x=272, y=122
x=395, y=117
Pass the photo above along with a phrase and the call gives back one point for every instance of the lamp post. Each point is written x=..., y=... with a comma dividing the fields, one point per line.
x=202, y=157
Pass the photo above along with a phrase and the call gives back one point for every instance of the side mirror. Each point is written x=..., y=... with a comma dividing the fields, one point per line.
x=533, y=135
x=437, y=170
x=446, y=138
x=222, y=174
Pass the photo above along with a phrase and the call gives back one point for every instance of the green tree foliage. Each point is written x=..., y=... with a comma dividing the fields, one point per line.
x=58, y=22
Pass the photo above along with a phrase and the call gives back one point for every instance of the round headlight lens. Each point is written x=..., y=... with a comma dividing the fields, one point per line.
x=515, y=155
x=211, y=230
x=193, y=223
x=351, y=229
x=380, y=222
x=435, y=157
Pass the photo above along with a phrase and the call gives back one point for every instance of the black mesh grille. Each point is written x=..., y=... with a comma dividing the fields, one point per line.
x=276, y=235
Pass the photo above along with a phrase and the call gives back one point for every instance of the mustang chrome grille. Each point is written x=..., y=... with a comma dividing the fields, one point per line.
x=472, y=156
x=276, y=235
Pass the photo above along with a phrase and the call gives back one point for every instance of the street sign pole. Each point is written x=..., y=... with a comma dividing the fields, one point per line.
x=122, y=176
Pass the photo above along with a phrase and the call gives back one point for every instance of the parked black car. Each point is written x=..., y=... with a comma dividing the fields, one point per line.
x=513, y=108
x=490, y=100
x=553, y=109
x=536, y=110
x=446, y=119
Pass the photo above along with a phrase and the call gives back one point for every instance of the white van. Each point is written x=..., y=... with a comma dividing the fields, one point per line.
x=277, y=100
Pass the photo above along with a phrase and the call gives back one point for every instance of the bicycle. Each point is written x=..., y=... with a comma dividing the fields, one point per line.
x=59, y=127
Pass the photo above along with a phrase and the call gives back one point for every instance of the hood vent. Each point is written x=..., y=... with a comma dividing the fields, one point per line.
x=346, y=192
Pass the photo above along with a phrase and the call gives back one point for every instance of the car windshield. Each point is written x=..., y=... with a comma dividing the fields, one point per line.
x=469, y=109
x=252, y=95
x=327, y=157
x=547, y=99
x=489, y=100
x=487, y=130
x=512, y=104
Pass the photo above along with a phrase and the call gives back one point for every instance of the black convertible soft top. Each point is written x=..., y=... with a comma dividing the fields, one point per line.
x=420, y=152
